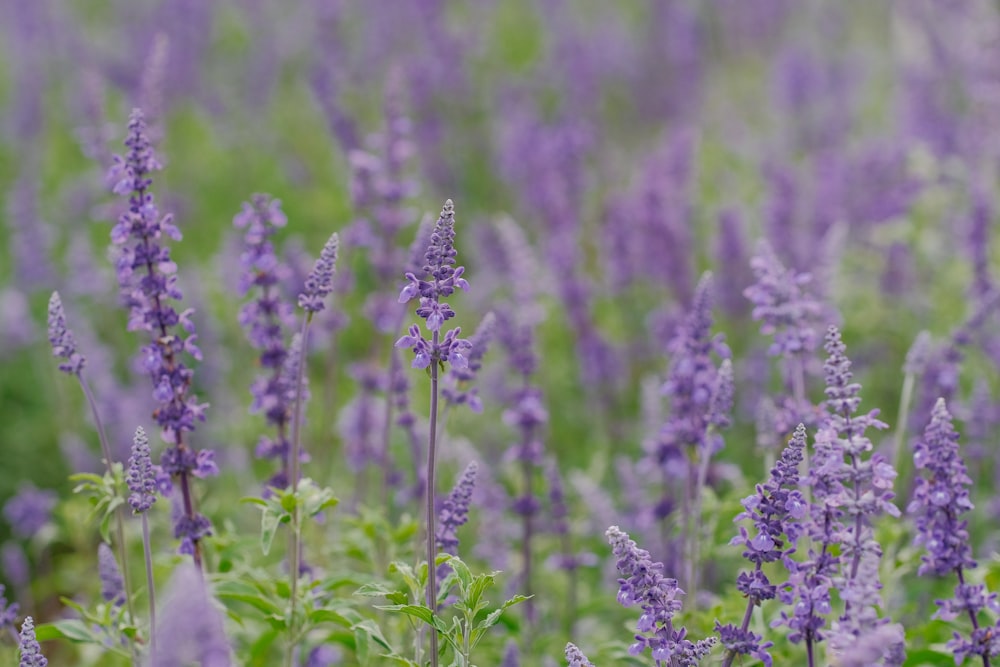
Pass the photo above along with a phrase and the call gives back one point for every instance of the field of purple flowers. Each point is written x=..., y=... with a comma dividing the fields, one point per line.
x=499, y=333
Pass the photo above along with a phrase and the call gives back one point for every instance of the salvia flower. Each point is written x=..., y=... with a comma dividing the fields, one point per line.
x=148, y=278
x=112, y=583
x=575, y=657
x=642, y=582
x=31, y=650
x=190, y=627
x=782, y=304
x=62, y=339
x=141, y=476
x=457, y=389
x=440, y=279
x=454, y=511
x=939, y=501
x=319, y=283
x=8, y=611
x=29, y=510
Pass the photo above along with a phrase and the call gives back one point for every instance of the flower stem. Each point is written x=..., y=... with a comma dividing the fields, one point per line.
x=431, y=516
x=294, y=542
x=119, y=522
x=147, y=553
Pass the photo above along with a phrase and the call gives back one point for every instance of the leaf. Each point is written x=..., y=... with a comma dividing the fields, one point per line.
x=317, y=616
x=240, y=592
x=374, y=589
x=74, y=630
x=268, y=527
x=373, y=631
x=414, y=610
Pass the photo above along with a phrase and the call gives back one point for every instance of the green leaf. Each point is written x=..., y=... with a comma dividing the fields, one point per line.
x=414, y=610
x=240, y=592
x=317, y=616
x=374, y=589
x=268, y=527
x=374, y=631
x=74, y=630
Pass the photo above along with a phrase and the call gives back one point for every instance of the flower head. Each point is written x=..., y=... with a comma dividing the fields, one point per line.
x=29, y=509
x=141, y=477
x=112, y=583
x=8, y=611
x=190, y=628
x=62, y=340
x=31, y=650
x=319, y=283
x=576, y=658
x=455, y=510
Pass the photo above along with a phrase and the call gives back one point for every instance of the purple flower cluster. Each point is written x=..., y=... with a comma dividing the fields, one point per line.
x=319, y=282
x=642, y=582
x=29, y=509
x=148, y=280
x=141, y=476
x=112, y=583
x=62, y=339
x=458, y=389
x=31, y=650
x=776, y=509
x=575, y=657
x=8, y=611
x=440, y=280
x=454, y=511
x=266, y=320
x=693, y=381
x=939, y=501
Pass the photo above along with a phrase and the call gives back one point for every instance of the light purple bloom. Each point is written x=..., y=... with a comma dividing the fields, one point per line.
x=31, y=650
x=112, y=583
x=642, y=582
x=457, y=389
x=141, y=477
x=319, y=282
x=576, y=658
x=454, y=512
x=62, y=339
x=190, y=627
x=8, y=611
x=29, y=510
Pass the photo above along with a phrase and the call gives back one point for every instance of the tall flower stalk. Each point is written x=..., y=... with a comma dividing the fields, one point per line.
x=141, y=480
x=148, y=281
x=940, y=498
x=318, y=286
x=64, y=346
x=439, y=279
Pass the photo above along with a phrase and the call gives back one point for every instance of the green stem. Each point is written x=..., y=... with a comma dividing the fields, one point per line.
x=431, y=532
x=147, y=553
x=295, y=544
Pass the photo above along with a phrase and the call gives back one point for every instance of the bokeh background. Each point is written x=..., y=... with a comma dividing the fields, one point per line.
x=637, y=144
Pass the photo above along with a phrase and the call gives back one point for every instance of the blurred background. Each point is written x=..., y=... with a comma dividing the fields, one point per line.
x=636, y=144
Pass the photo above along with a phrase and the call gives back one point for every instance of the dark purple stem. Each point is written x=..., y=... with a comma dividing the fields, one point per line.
x=431, y=516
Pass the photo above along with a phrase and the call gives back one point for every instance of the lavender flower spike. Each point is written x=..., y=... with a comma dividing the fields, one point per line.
x=319, y=283
x=141, y=477
x=575, y=657
x=8, y=612
x=938, y=503
x=191, y=625
x=643, y=583
x=62, y=340
x=455, y=510
x=112, y=583
x=31, y=650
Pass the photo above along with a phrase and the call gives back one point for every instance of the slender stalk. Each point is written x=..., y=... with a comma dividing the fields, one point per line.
x=798, y=372
x=119, y=521
x=526, y=536
x=899, y=437
x=147, y=553
x=696, y=515
x=431, y=516
x=295, y=545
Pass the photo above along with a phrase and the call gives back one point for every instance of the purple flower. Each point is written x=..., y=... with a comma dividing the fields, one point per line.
x=454, y=511
x=29, y=510
x=62, y=340
x=457, y=389
x=576, y=658
x=782, y=304
x=319, y=283
x=740, y=641
x=112, y=583
x=323, y=656
x=31, y=650
x=439, y=280
x=8, y=612
x=642, y=582
x=141, y=477
x=189, y=627
x=148, y=280
x=940, y=499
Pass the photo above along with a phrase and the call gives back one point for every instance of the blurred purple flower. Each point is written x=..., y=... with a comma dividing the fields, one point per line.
x=319, y=282
x=62, y=339
x=454, y=510
x=112, y=583
x=29, y=509
x=576, y=658
x=190, y=624
x=8, y=611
